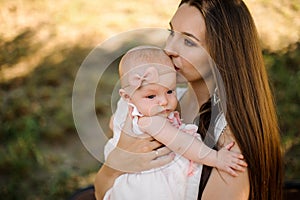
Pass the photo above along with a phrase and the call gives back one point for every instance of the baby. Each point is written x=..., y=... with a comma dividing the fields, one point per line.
x=148, y=87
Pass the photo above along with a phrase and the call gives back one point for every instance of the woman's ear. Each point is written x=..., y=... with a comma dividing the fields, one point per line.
x=124, y=95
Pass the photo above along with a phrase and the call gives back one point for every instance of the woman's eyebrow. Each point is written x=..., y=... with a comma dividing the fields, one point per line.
x=191, y=35
x=185, y=33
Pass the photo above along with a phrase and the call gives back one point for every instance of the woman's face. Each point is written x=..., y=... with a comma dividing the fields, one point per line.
x=186, y=44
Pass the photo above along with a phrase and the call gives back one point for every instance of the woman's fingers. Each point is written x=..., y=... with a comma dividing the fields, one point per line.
x=163, y=151
x=137, y=153
x=125, y=161
x=162, y=160
x=155, y=144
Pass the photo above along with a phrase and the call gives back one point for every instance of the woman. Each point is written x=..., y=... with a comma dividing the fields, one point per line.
x=227, y=31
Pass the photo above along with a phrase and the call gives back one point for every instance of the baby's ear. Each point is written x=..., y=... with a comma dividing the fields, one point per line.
x=124, y=95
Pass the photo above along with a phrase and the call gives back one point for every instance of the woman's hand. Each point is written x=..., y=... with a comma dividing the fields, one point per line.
x=132, y=154
x=137, y=153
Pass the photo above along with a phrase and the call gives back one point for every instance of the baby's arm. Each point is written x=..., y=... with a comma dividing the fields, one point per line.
x=191, y=147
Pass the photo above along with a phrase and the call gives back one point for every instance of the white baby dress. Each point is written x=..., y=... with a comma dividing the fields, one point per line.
x=175, y=181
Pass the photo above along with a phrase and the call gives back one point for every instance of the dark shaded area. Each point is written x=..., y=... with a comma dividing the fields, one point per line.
x=87, y=193
x=291, y=190
x=19, y=47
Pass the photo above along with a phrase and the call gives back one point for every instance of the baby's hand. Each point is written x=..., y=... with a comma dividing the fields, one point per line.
x=229, y=161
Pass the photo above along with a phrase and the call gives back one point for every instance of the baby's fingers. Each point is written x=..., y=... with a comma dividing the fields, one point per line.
x=238, y=165
x=242, y=163
x=229, y=146
x=163, y=160
x=239, y=161
x=231, y=172
x=238, y=168
x=238, y=155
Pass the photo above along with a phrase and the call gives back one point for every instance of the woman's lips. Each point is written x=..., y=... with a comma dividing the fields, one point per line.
x=176, y=68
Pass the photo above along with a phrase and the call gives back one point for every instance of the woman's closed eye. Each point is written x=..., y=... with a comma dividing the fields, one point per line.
x=171, y=32
x=189, y=42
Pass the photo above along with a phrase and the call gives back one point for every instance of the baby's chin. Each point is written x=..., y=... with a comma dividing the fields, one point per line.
x=164, y=114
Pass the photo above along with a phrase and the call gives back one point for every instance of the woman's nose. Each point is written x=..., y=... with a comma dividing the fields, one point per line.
x=171, y=52
x=170, y=48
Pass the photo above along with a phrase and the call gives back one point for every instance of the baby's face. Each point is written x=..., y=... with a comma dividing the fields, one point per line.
x=155, y=99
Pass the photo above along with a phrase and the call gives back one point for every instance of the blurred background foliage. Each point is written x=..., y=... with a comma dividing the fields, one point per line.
x=43, y=43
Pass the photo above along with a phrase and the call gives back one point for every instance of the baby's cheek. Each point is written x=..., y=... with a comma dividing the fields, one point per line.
x=174, y=103
x=154, y=110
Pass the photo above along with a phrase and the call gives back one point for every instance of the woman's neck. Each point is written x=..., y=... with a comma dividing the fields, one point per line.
x=193, y=99
x=202, y=89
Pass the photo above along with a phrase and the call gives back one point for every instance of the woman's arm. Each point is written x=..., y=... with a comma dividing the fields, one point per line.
x=132, y=154
x=228, y=187
x=104, y=180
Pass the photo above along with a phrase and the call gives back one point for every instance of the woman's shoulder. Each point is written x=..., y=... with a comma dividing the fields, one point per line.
x=228, y=187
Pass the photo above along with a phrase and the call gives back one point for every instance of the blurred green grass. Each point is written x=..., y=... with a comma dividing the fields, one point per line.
x=43, y=43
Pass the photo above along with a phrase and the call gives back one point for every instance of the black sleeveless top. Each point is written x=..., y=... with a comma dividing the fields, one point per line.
x=205, y=128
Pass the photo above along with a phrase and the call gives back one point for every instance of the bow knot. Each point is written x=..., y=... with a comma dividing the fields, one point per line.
x=150, y=75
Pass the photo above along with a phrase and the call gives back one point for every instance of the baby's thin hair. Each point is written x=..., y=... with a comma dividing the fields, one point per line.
x=141, y=55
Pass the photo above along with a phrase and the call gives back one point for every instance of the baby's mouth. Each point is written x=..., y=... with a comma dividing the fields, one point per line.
x=165, y=111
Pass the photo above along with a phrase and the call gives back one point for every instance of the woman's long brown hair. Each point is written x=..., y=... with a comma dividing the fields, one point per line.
x=233, y=43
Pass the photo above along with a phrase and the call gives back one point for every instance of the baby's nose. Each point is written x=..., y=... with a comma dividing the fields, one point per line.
x=163, y=101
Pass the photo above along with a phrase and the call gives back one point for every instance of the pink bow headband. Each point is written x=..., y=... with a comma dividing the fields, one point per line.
x=150, y=76
x=155, y=73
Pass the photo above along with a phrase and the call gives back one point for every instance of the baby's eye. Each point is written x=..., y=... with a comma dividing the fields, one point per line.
x=170, y=91
x=151, y=96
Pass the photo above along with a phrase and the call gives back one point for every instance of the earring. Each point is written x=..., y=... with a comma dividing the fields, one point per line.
x=216, y=98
